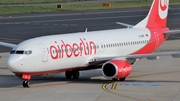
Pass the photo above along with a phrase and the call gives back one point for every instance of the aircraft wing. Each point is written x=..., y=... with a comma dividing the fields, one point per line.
x=7, y=44
x=151, y=56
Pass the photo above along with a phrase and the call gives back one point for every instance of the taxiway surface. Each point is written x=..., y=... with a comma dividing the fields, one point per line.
x=151, y=80
x=33, y=25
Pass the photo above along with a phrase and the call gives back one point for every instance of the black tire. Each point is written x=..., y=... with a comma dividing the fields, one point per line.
x=114, y=79
x=75, y=74
x=68, y=74
x=122, y=79
x=26, y=84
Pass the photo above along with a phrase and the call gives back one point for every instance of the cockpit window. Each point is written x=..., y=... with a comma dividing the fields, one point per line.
x=12, y=52
x=19, y=52
x=30, y=51
x=27, y=52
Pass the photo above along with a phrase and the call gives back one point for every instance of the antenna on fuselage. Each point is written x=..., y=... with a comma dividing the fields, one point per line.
x=86, y=30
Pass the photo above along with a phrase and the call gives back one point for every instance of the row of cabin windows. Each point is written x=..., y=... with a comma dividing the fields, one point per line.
x=124, y=44
x=28, y=52
x=103, y=46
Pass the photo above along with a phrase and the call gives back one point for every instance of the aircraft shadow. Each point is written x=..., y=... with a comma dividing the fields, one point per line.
x=8, y=81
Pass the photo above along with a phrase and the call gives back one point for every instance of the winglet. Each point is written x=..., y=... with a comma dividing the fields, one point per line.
x=86, y=30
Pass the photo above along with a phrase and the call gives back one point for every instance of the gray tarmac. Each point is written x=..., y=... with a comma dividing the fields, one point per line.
x=151, y=80
x=17, y=28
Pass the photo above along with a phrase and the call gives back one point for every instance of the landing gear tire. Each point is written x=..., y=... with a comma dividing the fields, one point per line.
x=75, y=74
x=114, y=79
x=72, y=74
x=122, y=79
x=26, y=84
x=68, y=74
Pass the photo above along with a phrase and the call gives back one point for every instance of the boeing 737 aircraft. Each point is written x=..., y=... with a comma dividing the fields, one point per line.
x=114, y=51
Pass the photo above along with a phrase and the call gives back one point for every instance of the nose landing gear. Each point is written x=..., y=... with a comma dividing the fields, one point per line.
x=26, y=79
x=69, y=75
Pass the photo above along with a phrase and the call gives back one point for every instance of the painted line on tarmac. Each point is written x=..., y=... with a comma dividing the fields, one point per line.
x=114, y=86
x=73, y=24
x=26, y=23
x=36, y=23
x=82, y=19
x=141, y=84
x=55, y=24
x=45, y=24
x=69, y=14
x=64, y=24
x=141, y=75
x=104, y=87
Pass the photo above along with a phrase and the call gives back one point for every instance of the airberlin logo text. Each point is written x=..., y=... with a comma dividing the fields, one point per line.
x=125, y=69
x=62, y=49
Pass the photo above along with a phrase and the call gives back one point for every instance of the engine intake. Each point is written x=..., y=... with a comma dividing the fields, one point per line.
x=116, y=69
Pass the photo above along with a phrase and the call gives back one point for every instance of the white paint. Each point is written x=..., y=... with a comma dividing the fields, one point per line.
x=99, y=37
x=163, y=13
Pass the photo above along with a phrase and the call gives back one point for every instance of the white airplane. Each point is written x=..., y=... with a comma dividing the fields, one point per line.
x=114, y=51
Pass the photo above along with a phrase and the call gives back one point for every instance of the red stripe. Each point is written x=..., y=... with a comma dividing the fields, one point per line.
x=48, y=72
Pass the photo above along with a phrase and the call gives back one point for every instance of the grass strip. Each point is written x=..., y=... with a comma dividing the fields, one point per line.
x=4, y=2
x=74, y=7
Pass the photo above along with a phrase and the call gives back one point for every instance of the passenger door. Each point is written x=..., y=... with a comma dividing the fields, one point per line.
x=44, y=52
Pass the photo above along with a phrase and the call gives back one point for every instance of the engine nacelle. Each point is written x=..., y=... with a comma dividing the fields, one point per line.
x=116, y=69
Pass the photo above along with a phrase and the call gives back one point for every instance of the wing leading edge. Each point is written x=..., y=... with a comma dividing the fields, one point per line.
x=7, y=44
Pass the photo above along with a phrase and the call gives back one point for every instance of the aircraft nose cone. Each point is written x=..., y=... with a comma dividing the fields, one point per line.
x=12, y=63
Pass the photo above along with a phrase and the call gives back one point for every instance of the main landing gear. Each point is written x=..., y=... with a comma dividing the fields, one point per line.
x=120, y=79
x=72, y=74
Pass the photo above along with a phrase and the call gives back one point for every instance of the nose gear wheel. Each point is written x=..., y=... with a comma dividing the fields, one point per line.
x=26, y=84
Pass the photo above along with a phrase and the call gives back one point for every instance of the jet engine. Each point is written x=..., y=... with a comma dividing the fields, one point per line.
x=116, y=69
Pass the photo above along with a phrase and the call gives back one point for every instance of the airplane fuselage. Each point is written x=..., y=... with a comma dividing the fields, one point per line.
x=59, y=53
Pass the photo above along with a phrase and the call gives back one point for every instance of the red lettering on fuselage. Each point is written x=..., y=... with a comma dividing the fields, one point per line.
x=62, y=49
